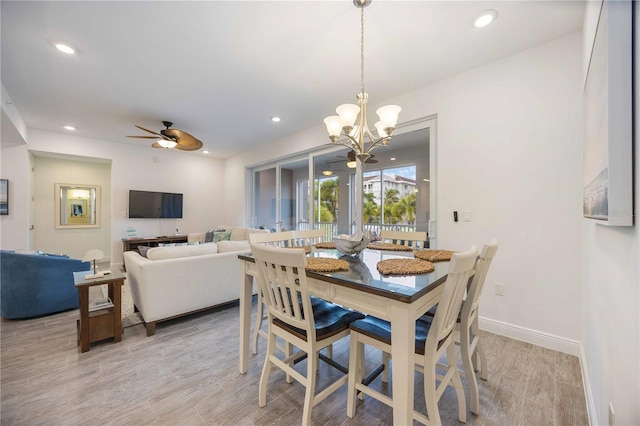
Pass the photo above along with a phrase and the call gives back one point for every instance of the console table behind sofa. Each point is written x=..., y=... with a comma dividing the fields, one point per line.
x=133, y=243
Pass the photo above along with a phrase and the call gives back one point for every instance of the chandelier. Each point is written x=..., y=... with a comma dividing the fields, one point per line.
x=352, y=119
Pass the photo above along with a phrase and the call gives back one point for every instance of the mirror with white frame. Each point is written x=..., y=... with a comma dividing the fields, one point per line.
x=77, y=205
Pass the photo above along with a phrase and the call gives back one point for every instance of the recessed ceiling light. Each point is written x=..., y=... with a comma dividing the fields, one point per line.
x=65, y=49
x=275, y=119
x=69, y=127
x=392, y=158
x=485, y=18
x=205, y=152
x=426, y=180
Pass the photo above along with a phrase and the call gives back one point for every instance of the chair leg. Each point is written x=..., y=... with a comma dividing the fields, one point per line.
x=457, y=383
x=483, y=359
x=385, y=362
x=431, y=394
x=356, y=358
x=465, y=346
x=258, y=326
x=329, y=351
x=288, y=351
x=266, y=370
x=311, y=388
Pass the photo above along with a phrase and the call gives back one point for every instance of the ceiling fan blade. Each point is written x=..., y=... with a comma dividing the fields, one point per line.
x=186, y=142
x=143, y=137
x=147, y=130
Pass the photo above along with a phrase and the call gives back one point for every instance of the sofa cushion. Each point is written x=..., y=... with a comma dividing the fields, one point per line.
x=227, y=246
x=195, y=237
x=160, y=253
x=238, y=233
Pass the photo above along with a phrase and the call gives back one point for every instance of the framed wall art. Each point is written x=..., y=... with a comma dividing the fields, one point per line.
x=608, y=159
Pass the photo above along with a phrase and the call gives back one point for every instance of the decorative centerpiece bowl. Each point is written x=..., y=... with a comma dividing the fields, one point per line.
x=352, y=245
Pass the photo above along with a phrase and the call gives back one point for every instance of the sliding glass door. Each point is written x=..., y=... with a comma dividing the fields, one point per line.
x=318, y=190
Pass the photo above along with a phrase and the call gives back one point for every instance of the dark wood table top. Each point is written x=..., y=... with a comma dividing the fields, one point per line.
x=363, y=274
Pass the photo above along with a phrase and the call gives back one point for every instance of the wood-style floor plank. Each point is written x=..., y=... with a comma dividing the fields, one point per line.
x=187, y=374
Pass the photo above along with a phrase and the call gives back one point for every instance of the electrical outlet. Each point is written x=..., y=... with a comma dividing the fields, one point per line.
x=612, y=415
x=499, y=289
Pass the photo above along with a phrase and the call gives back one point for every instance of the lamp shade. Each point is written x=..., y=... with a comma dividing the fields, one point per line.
x=351, y=164
x=348, y=114
x=381, y=132
x=388, y=115
x=333, y=125
x=166, y=143
x=93, y=254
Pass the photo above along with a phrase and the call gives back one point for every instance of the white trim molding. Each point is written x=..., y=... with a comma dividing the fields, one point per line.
x=535, y=337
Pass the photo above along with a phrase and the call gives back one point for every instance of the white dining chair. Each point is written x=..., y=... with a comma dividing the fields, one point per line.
x=471, y=350
x=309, y=237
x=273, y=239
x=306, y=324
x=416, y=239
x=432, y=340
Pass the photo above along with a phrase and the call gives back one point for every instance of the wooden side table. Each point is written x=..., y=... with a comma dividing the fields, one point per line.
x=103, y=323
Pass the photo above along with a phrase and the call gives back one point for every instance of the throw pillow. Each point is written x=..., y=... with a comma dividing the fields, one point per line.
x=221, y=236
x=208, y=237
x=143, y=250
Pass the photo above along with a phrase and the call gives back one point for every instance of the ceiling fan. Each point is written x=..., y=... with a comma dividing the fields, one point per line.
x=351, y=156
x=182, y=140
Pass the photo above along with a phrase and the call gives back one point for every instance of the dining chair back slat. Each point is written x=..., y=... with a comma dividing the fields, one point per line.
x=275, y=239
x=416, y=239
x=308, y=237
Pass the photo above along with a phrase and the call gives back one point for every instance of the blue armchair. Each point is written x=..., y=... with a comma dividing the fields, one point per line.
x=32, y=285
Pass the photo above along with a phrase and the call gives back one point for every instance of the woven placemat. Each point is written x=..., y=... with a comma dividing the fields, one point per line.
x=325, y=264
x=434, y=255
x=404, y=267
x=307, y=249
x=326, y=245
x=389, y=247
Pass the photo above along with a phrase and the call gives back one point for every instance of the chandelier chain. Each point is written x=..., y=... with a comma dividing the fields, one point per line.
x=362, y=50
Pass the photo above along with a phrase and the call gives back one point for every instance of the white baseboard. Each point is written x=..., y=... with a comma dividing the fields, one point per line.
x=588, y=394
x=535, y=337
x=549, y=341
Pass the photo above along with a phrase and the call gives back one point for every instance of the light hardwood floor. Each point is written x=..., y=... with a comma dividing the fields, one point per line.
x=186, y=374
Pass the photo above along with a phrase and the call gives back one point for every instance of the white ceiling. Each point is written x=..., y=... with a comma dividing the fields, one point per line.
x=221, y=69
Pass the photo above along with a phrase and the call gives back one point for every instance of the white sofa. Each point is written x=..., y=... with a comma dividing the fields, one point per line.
x=175, y=281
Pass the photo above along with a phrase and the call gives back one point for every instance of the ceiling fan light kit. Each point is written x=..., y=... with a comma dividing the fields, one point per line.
x=349, y=114
x=171, y=138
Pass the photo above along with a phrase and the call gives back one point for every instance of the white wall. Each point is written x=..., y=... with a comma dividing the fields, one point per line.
x=611, y=286
x=510, y=152
x=198, y=177
x=14, y=227
x=74, y=242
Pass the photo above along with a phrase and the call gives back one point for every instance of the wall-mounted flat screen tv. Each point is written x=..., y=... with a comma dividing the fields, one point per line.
x=154, y=205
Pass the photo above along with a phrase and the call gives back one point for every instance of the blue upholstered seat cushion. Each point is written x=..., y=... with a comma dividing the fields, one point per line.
x=381, y=330
x=329, y=318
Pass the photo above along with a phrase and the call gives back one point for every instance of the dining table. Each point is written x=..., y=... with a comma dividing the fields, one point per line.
x=398, y=299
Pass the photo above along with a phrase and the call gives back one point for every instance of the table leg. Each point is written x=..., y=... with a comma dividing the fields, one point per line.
x=402, y=353
x=83, y=292
x=117, y=310
x=246, y=287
